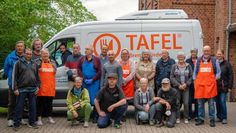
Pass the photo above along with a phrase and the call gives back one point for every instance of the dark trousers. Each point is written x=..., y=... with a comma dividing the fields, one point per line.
x=116, y=114
x=95, y=114
x=20, y=99
x=44, y=106
x=161, y=109
x=11, y=104
x=192, y=100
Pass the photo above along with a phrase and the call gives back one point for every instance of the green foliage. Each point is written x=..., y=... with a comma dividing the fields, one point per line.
x=29, y=19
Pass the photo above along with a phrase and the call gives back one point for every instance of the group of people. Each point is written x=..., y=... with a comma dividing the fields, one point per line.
x=102, y=87
x=32, y=81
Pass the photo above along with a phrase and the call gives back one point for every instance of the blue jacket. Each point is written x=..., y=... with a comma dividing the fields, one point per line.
x=163, y=70
x=8, y=66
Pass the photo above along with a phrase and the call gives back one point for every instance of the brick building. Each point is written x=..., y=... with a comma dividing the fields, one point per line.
x=217, y=18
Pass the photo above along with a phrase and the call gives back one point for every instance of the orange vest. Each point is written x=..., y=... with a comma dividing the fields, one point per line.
x=205, y=82
x=128, y=89
x=48, y=80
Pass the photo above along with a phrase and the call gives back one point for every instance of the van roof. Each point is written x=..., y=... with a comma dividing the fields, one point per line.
x=155, y=14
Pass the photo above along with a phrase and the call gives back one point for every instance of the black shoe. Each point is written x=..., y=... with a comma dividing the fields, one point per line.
x=34, y=126
x=94, y=120
x=160, y=124
x=199, y=122
x=16, y=128
x=212, y=123
x=123, y=119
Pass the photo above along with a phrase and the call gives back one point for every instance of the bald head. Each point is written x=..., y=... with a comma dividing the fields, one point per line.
x=88, y=50
x=111, y=55
x=207, y=51
x=143, y=80
x=144, y=84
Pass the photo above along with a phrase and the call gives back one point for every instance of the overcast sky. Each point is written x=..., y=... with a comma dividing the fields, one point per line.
x=110, y=9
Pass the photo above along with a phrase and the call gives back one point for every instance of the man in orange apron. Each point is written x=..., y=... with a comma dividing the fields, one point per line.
x=206, y=72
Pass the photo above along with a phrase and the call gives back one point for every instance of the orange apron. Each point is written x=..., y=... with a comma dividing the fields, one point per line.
x=128, y=89
x=48, y=80
x=205, y=82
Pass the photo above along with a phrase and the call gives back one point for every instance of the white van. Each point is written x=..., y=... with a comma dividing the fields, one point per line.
x=151, y=30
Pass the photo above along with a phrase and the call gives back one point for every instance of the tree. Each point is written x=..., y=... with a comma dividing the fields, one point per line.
x=29, y=19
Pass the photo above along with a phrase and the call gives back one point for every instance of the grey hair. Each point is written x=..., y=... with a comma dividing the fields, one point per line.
x=165, y=50
x=194, y=49
x=44, y=50
x=78, y=79
x=148, y=52
x=180, y=53
x=143, y=79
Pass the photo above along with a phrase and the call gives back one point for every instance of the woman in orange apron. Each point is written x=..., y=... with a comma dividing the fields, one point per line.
x=47, y=74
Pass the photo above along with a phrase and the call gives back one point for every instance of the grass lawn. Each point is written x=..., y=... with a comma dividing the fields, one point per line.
x=3, y=110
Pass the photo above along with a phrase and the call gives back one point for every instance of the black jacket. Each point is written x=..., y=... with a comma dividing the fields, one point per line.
x=227, y=77
x=64, y=56
x=170, y=96
x=190, y=62
x=163, y=70
x=25, y=75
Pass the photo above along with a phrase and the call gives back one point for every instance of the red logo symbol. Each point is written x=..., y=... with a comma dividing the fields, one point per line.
x=111, y=40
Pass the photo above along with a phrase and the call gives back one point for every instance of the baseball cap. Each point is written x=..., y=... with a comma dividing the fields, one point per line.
x=112, y=75
x=165, y=81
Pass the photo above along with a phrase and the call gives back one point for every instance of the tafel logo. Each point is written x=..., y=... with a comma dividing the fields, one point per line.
x=109, y=39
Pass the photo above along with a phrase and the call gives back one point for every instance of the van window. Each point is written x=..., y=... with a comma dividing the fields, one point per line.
x=54, y=49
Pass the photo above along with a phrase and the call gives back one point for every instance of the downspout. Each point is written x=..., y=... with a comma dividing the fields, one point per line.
x=227, y=29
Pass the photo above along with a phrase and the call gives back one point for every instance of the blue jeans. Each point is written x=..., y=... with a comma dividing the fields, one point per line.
x=20, y=99
x=147, y=116
x=116, y=114
x=221, y=106
x=211, y=108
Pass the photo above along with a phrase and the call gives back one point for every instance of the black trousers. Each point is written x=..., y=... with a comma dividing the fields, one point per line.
x=44, y=106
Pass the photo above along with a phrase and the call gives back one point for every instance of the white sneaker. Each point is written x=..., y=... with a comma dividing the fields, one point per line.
x=178, y=121
x=10, y=123
x=51, y=120
x=24, y=121
x=86, y=124
x=39, y=123
x=186, y=121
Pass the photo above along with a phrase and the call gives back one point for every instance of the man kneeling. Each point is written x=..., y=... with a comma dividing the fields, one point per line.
x=167, y=105
x=145, y=108
x=110, y=103
x=78, y=103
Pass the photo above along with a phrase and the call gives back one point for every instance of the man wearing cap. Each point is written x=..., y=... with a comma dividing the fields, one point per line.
x=206, y=72
x=166, y=104
x=110, y=103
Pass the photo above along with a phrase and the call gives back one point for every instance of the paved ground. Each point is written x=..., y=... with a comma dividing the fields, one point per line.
x=62, y=126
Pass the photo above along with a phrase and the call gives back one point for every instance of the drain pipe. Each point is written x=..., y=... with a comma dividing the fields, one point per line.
x=227, y=29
